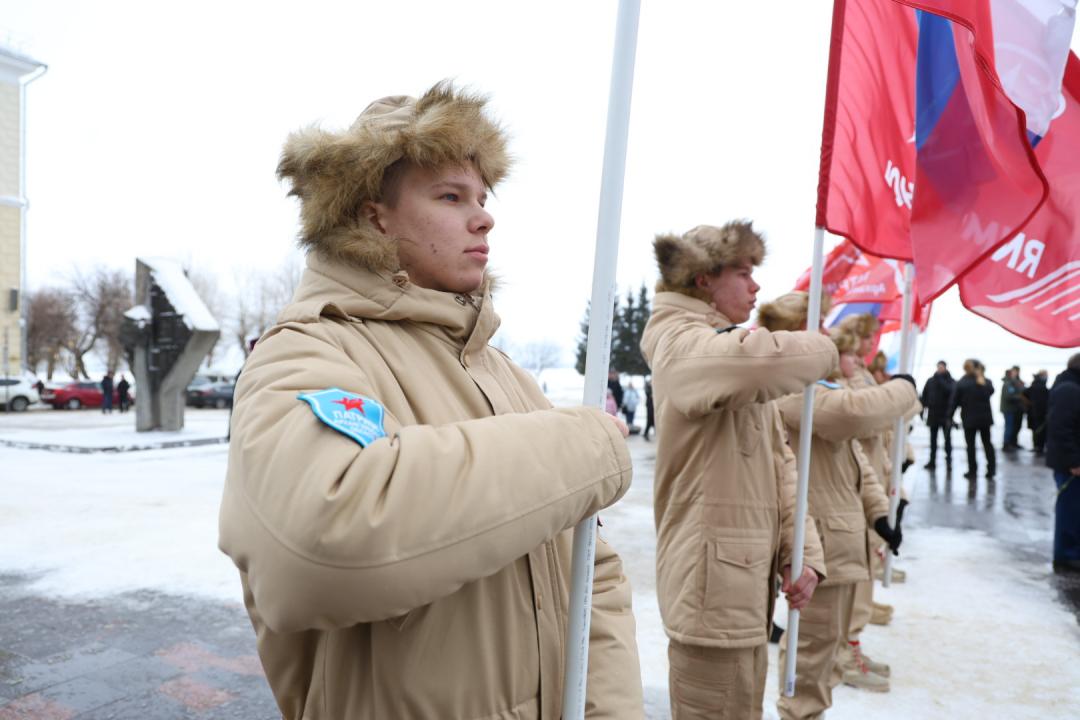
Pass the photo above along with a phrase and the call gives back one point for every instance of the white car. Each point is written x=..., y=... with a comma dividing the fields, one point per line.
x=18, y=393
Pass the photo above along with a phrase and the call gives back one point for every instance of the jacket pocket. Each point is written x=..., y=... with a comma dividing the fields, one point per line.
x=737, y=583
x=749, y=427
x=844, y=542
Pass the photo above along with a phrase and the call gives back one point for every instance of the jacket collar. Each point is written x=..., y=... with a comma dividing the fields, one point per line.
x=685, y=303
x=332, y=288
x=1067, y=376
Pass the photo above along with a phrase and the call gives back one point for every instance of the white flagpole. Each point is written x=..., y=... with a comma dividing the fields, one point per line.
x=900, y=428
x=598, y=348
x=806, y=428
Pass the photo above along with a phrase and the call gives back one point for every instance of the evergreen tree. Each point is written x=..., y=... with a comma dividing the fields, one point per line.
x=628, y=324
x=583, y=341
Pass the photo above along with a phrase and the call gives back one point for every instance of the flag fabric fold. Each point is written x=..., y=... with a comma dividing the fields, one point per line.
x=951, y=140
x=977, y=182
x=867, y=179
x=1031, y=285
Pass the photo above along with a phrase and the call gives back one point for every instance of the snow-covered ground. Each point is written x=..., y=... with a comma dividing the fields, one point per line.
x=978, y=632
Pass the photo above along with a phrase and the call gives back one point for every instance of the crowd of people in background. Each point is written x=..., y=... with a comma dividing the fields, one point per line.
x=943, y=395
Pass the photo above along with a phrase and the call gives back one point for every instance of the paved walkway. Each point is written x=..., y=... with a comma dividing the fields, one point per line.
x=132, y=657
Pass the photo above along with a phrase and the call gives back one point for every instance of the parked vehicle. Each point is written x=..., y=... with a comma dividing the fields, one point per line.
x=84, y=393
x=18, y=392
x=202, y=380
x=217, y=395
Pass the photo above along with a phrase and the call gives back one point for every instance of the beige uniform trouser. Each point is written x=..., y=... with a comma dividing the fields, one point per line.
x=823, y=626
x=708, y=683
x=864, y=592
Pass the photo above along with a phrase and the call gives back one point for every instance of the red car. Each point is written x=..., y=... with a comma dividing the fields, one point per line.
x=79, y=394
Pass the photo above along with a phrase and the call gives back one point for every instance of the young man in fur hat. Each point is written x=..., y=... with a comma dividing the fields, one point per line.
x=399, y=493
x=725, y=477
x=878, y=449
x=859, y=669
x=844, y=499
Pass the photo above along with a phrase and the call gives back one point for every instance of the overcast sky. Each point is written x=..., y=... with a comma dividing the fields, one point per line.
x=157, y=128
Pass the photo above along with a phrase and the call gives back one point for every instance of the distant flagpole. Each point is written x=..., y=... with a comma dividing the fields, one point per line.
x=900, y=428
x=598, y=348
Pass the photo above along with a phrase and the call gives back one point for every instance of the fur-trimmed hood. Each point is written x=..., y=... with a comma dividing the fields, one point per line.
x=704, y=249
x=333, y=173
x=788, y=312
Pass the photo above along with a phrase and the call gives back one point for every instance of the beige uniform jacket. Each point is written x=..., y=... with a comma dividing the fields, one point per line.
x=845, y=495
x=725, y=478
x=424, y=575
x=878, y=447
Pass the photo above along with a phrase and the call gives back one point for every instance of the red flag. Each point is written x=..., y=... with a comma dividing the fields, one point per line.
x=866, y=182
x=892, y=314
x=1031, y=285
x=850, y=275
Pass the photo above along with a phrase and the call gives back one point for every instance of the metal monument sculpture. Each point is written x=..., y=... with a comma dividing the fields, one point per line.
x=166, y=335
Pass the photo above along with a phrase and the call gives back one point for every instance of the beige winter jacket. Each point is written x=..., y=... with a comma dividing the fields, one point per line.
x=878, y=447
x=725, y=479
x=845, y=496
x=424, y=575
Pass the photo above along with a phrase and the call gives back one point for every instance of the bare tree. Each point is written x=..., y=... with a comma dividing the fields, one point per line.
x=208, y=287
x=50, y=326
x=540, y=355
x=102, y=297
x=260, y=297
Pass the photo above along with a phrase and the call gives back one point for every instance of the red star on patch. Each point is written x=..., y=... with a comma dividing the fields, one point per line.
x=350, y=404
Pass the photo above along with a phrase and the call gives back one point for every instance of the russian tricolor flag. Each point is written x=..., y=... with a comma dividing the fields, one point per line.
x=934, y=111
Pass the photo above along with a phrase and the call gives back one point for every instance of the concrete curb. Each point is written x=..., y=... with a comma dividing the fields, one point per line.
x=51, y=447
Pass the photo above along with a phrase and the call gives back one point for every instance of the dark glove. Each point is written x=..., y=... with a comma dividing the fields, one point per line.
x=907, y=377
x=893, y=537
x=906, y=464
x=900, y=513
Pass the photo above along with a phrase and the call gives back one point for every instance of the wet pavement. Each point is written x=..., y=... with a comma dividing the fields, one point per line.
x=1016, y=506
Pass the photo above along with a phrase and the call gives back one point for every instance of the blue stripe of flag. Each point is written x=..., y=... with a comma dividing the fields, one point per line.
x=937, y=73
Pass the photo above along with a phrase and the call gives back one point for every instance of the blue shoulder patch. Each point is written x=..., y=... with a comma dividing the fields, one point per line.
x=727, y=329
x=359, y=417
x=832, y=385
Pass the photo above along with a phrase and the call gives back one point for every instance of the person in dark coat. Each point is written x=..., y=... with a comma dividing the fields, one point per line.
x=122, y=389
x=1013, y=406
x=1063, y=457
x=650, y=418
x=935, y=399
x=971, y=394
x=1038, y=394
x=107, y=391
x=615, y=387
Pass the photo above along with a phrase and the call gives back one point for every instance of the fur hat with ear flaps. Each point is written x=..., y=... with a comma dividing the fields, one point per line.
x=334, y=173
x=864, y=325
x=704, y=249
x=788, y=312
x=879, y=362
x=844, y=338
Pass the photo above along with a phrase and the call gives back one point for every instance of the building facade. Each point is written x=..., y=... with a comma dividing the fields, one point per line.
x=16, y=72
